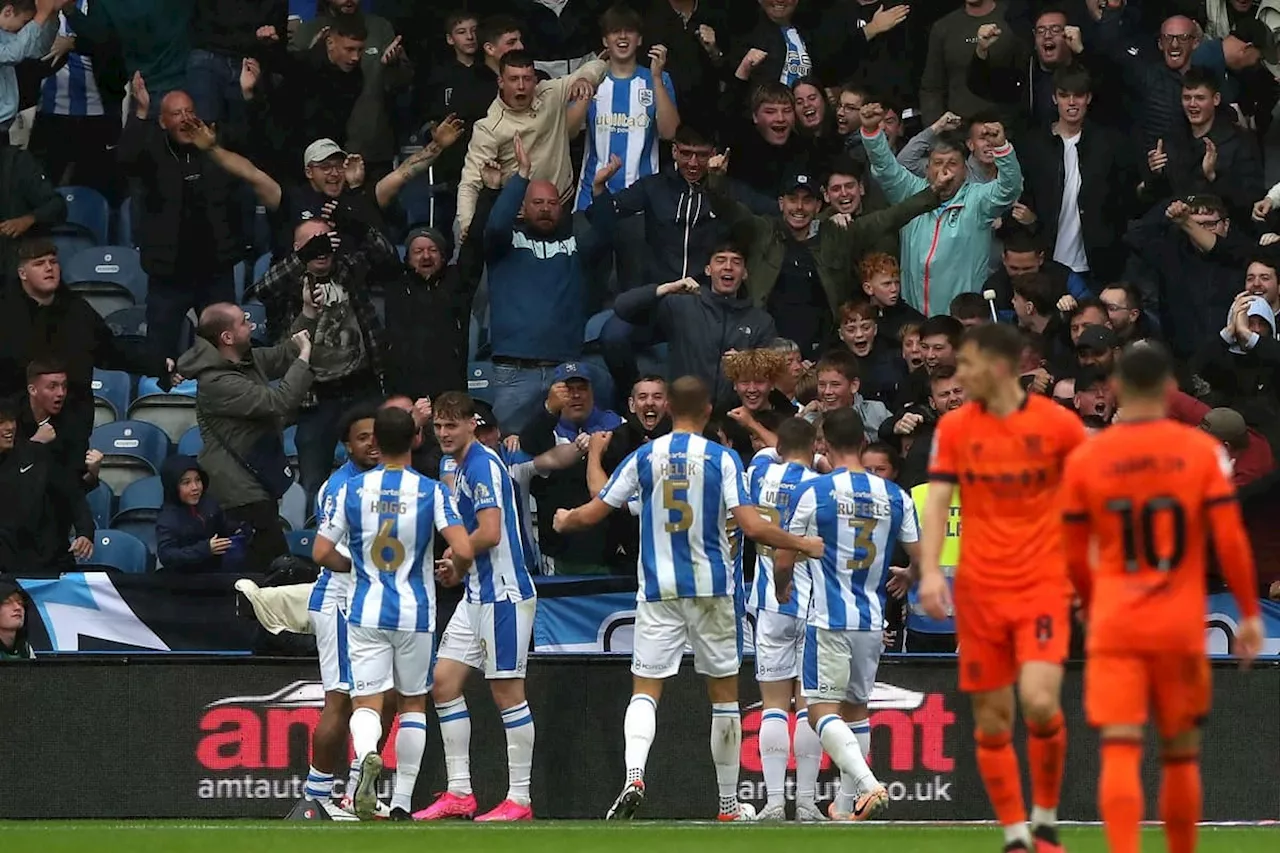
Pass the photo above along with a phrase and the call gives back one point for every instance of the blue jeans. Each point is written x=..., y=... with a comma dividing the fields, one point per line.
x=213, y=82
x=517, y=394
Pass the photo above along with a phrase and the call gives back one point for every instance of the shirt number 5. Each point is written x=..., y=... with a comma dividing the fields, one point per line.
x=679, y=511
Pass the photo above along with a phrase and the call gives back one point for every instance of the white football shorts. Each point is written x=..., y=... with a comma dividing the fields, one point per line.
x=332, y=644
x=494, y=637
x=382, y=659
x=779, y=643
x=665, y=628
x=840, y=666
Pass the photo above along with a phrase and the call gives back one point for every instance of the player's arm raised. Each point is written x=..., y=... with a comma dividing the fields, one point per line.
x=1235, y=557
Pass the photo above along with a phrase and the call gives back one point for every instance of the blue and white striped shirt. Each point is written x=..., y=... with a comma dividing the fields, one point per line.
x=687, y=487
x=861, y=518
x=332, y=588
x=622, y=119
x=772, y=487
x=72, y=90
x=522, y=473
x=389, y=516
x=796, y=63
x=503, y=572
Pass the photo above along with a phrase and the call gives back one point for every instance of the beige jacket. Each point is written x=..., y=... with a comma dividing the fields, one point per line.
x=544, y=130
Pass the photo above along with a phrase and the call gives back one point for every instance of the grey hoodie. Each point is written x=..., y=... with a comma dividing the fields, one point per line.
x=700, y=328
x=236, y=404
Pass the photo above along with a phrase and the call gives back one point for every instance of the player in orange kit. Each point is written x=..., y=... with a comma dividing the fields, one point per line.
x=1005, y=450
x=1140, y=502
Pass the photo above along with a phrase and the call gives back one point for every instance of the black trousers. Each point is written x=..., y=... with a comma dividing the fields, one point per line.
x=170, y=297
x=268, y=540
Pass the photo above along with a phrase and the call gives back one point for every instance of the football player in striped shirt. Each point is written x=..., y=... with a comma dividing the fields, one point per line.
x=772, y=481
x=388, y=517
x=633, y=107
x=492, y=627
x=861, y=518
x=690, y=582
x=327, y=607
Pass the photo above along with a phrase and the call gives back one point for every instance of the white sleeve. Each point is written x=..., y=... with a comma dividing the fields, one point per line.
x=733, y=481
x=910, y=531
x=334, y=525
x=802, y=512
x=624, y=483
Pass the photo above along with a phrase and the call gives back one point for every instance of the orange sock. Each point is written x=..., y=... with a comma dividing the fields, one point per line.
x=998, y=766
x=1180, y=801
x=1120, y=794
x=1046, y=752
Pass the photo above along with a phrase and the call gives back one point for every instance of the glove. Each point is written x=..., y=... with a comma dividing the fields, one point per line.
x=342, y=216
x=319, y=246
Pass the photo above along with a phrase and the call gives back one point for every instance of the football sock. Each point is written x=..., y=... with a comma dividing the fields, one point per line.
x=775, y=747
x=847, y=793
x=1019, y=834
x=638, y=727
x=319, y=785
x=366, y=728
x=1180, y=801
x=353, y=777
x=726, y=752
x=1046, y=751
x=998, y=766
x=411, y=741
x=518, y=721
x=862, y=731
x=808, y=750
x=455, y=734
x=1120, y=794
x=839, y=742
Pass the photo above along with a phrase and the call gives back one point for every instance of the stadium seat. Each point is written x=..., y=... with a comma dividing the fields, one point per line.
x=239, y=272
x=191, y=442
x=124, y=224
x=339, y=455
x=262, y=236
x=480, y=381
x=601, y=383
x=415, y=201
x=129, y=322
x=257, y=315
x=260, y=267
x=109, y=277
x=473, y=338
x=173, y=411
x=594, y=325
x=111, y=394
x=101, y=504
x=293, y=507
x=133, y=450
x=124, y=552
x=87, y=213
x=300, y=542
x=403, y=251
x=138, y=509
x=291, y=442
x=71, y=244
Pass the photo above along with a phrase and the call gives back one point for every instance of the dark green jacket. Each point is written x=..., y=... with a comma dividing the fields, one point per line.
x=24, y=189
x=836, y=251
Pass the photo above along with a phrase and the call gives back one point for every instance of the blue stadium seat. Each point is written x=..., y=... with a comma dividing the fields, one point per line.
x=191, y=442
x=129, y=322
x=594, y=324
x=87, y=213
x=480, y=380
x=415, y=201
x=118, y=550
x=111, y=395
x=262, y=236
x=238, y=271
x=101, y=504
x=141, y=499
x=260, y=267
x=124, y=223
x=174, y=412
x=293, y=507
x=301, y=542
x=291, y=442
x=257, y=314
x=71, y=244
x=109, y=277
x=133, y=450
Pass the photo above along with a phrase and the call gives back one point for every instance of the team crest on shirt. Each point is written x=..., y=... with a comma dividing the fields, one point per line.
x=481, y=492
x=645, y=96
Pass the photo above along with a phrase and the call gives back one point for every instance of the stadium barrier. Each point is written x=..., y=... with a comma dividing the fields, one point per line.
x=175, y=737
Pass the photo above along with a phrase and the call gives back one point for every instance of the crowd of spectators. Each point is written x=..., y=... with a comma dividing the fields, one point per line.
x=561, y=204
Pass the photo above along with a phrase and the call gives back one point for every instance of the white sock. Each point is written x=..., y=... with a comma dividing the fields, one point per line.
x=775, y=747
x=1018, y=832
x=862, y=731
x=353, y=777
x=847, y=794
x=518, y=722
x=843, y=748
x=455, y=734
x=319, y=785
x=366, y=729
x=411, y=741
x=726, y=752
x=1041, y=816
x=638, y=728
x=808, y=751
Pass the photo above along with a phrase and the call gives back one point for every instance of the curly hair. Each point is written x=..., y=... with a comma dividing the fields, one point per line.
x=878, y=263
x=765, y=364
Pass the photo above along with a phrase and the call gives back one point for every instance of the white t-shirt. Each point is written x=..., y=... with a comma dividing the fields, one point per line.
x=1069, y=248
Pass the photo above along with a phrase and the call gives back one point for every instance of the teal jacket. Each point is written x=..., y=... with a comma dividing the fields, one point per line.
x=154, y=35
x=945, y=252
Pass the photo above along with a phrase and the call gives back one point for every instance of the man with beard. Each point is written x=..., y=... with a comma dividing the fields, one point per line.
x=569, y=413
x=912, y=431
x=1123, y=302
x=43, y=422
x=679, y=231
x=242, y=419
x=880, y=360
x=537, y=284
x=799, y=263
x=1097, y=348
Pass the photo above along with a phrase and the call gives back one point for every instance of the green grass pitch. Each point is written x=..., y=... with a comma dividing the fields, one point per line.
x=559, y=837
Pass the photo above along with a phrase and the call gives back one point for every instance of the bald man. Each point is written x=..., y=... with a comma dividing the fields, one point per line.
x=182, y=215
x=241, y=419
